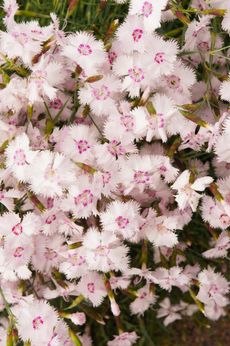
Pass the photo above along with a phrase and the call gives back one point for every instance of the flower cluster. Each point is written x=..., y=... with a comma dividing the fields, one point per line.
x=115, y=173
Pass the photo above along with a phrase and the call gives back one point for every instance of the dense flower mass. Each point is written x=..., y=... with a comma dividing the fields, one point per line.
x=115, y=173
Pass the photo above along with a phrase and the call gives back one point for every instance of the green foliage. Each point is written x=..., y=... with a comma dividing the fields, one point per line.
x=92, y=15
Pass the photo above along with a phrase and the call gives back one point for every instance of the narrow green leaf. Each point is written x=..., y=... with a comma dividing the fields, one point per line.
x=75, y=338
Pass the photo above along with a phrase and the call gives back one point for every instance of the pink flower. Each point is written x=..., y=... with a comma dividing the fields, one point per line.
x=19, y=157
x=160, y=125
x=221, y=247
x=74, y=264
x=150, y=11
x=132, y=35
x=160, y=230
x=160, y=57
x=82, y=198
x=124, y=339
x=104, y=252
x=121, y=219
x=133, y=69
x=213, y=288
x=78, y=318
x=91, y=286
x=49, y=179
x=143, y=302
x=48, y=253
x=167, y=278
x=170, y=312
x=86, y=51
x=101, y=95
x=44, y=79
x=187, y=192
x=36, y=320
x=77, y=142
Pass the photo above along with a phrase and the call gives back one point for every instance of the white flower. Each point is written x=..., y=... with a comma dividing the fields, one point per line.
x=121, y=219
x=221, y=247
x=160, y=230
x=77, y=142
x=150, y=11
x=104, y=252
x=82, y=198
x=74, y=265
x=167, y=278
x=36, y=320
x=160, y=57
x=131, y=35
x=53, y=176
x=44, y=79
x=145, y=300
x=19, y=157
x=160, y=124
x=124, y=339
x=187, y=192
x=91, y=286
x=133, y=69
x=85, y=51
x=101, y=95
x=213, y=288
x=170, y=312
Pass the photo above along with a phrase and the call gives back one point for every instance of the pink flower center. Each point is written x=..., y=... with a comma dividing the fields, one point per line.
x=91, y=287
x=36, y=31
x=204, y=46
x=127, y=122
x=163, y=169
x=116, y=149
x=143, y=295
x=37, y=322
x=9, y=11
x=224, y=218
x=160, y=120
x=102, y=251
x=50, y=254
x=137, y=34
x=82, y=146
x=147, y=9
x=84, y=49
x=39, y=76
x=122, y=222
x=22, y=37
x=85, y=198
x=50, y=202
x=112, y=56
x=56, y=104
x=124, y=336
x=136, y=74
x=159, y=58
x=2, y=196
x=161, y=227
x=227, y=165
x=141, y=177
x=213, y=289
x=106, y=177
x=173, y=81
x=222, y=247
x=50, y=219
x=76, y=260
x=17, y=229
x=20, y=157
x=19, y=251
x=101, y=93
